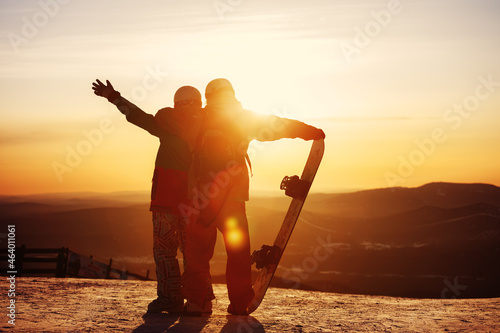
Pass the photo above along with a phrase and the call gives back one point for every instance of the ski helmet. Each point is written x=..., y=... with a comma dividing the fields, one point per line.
x=187, y=96
x=217, y=86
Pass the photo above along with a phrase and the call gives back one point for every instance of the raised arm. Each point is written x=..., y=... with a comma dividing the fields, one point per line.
x=133, y=113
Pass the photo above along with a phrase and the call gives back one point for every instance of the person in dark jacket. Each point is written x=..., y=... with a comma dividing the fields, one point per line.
x=218, y=200
x=177, y=130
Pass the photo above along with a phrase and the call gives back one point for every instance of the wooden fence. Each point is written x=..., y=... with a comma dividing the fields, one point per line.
x=61, y=262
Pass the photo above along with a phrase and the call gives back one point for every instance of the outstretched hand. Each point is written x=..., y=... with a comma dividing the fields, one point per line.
x=107, y=91
x=320, y=135
x=314, y=133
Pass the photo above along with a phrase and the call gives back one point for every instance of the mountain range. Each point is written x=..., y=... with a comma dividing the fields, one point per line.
x=437, y=240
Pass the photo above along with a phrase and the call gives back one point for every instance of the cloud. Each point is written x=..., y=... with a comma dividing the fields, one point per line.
x=10, y=138
x=374, y=119
x=44, y=133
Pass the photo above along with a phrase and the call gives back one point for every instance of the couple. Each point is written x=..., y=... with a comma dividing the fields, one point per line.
x=200, y=185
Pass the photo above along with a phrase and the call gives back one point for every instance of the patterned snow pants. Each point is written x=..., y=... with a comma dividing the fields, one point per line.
x=169, y=234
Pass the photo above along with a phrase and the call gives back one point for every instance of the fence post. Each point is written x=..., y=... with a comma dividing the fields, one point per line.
x=108, y=270
x=62, y=260
x=66, y=255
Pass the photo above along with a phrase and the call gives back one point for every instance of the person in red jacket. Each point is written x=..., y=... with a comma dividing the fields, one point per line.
x=218, y=200
x=177, y=130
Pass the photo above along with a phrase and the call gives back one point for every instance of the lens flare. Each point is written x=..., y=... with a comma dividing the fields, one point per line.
x=234, y=235
x=231, y=223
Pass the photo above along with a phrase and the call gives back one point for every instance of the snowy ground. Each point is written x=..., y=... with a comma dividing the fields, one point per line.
x=78, y=305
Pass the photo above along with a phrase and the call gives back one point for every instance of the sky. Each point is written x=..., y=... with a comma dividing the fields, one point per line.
x=407, y=92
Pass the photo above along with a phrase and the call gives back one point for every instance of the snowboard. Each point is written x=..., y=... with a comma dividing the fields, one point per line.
x=268, y=257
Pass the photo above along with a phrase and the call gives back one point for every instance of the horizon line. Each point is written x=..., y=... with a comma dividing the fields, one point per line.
x=255, y=192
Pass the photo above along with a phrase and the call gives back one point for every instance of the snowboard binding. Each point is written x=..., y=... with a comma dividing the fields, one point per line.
x=295, y=187
x=267, y=255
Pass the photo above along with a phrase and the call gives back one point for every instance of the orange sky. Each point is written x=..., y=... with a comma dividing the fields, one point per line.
x=407, y=92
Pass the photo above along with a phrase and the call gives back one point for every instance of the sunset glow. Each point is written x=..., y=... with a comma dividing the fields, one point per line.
x=406, y=92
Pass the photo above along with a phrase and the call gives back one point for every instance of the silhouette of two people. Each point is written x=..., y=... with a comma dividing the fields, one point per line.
x=200, y=185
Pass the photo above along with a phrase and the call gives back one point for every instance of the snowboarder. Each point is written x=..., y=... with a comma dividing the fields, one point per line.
x=218, y=202
x=177, y=130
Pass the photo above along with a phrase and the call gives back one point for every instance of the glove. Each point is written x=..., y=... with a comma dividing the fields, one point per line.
x=313, y=133
x=107, y=91
x=320, y=135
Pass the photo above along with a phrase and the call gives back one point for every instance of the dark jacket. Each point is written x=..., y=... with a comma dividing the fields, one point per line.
x=249, y=126
x=177, y=130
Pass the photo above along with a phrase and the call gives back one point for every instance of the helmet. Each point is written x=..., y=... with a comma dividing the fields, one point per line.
x=187, y=96
x=217, y=86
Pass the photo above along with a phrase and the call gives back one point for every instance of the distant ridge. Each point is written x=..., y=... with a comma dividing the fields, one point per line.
x=390, y=201
x=431, y=214
x=51, y=197
x=389, y=241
